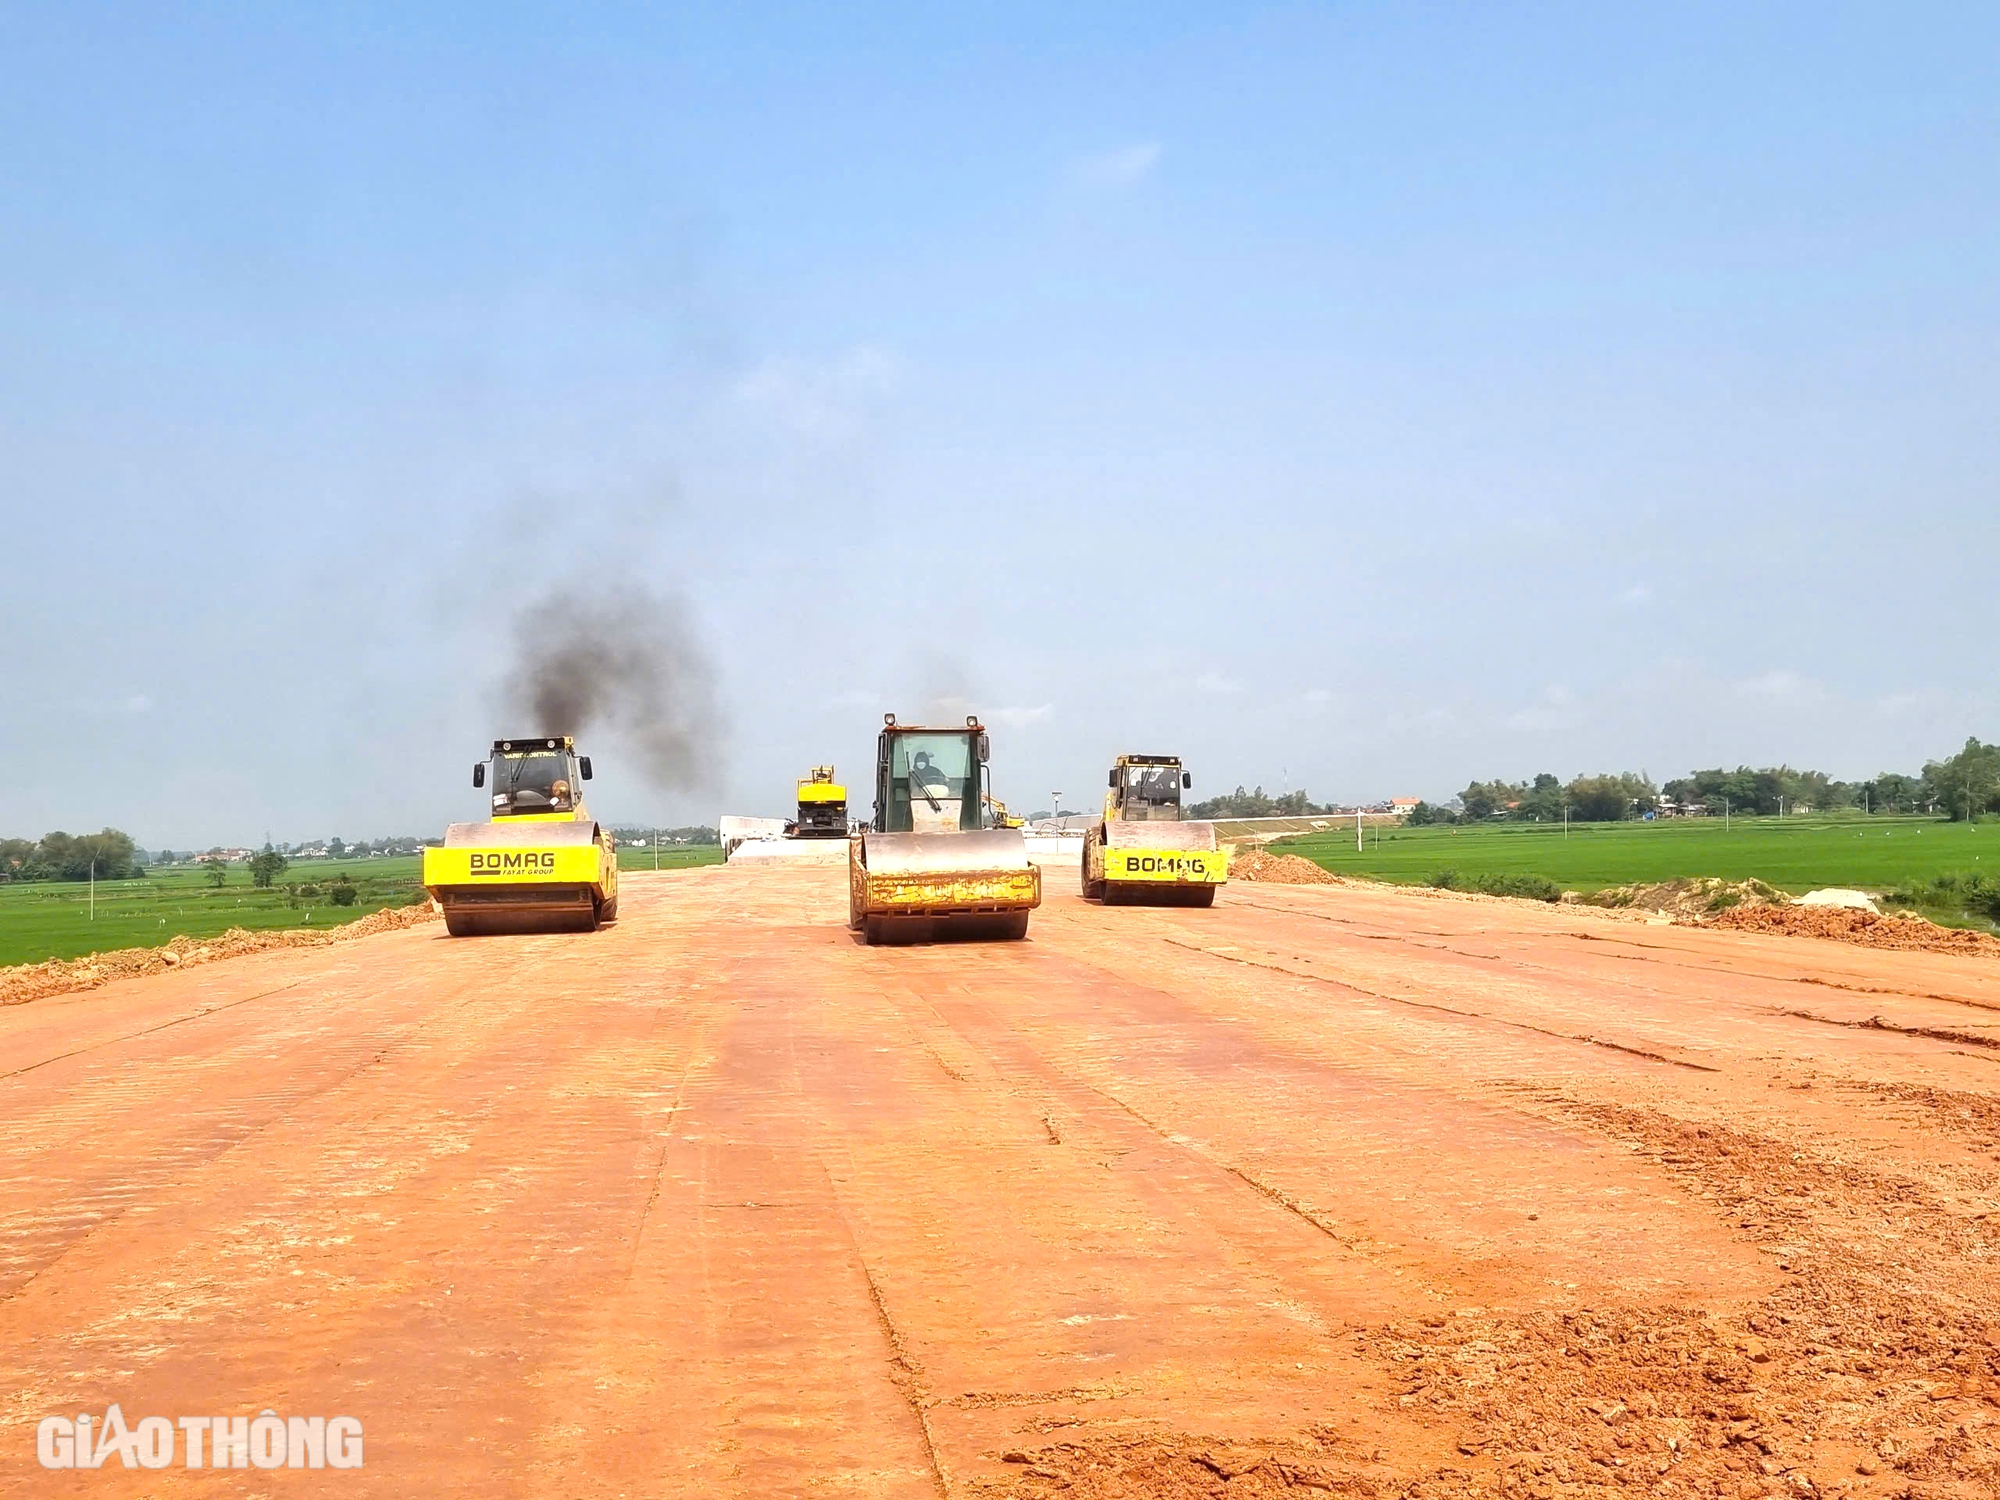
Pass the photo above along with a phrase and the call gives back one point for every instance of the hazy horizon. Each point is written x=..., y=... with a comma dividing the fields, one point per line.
x=1362, y=400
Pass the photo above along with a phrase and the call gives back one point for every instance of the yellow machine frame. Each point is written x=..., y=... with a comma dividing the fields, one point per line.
x=1157, y=859
x=526, y=871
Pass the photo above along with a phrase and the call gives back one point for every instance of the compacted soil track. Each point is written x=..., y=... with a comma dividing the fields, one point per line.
x=1322, y=1191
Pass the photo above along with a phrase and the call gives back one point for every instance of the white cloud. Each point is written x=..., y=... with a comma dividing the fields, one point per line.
x=1126, y=164
x=1317, y=695
x=1215, y=682
x=855, y=698
x=1779, y=686
x=132, y=705
x=1016, y=718
x=820, y=398
x=1556, y=709
x=1435, y=717
x=1637, y=596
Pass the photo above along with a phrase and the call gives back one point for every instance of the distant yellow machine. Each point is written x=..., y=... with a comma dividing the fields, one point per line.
x=542, y=864
x=822, y=807
x=924, y=868
x=1142, y=852
x=997, y=815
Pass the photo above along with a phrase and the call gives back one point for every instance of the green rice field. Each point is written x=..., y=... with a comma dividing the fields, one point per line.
x=53, y=919
x=672, y=857
x=1794, y=854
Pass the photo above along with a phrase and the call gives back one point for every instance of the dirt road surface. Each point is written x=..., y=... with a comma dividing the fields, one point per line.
x=1322, y=1191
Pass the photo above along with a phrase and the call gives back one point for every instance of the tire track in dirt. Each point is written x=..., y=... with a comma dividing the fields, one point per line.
x=1431, y=1005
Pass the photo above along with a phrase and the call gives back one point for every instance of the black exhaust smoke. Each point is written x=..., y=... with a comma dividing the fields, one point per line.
x=615, y=655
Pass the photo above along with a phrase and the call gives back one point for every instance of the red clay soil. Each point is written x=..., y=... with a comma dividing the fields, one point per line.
x=1319, y=1192
x=24, y=982
x=1247, y=862
x=1848, y=925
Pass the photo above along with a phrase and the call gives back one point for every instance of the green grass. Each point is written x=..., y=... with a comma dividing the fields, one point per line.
x=672, y=857
x=1794, y=854
x=52, y=919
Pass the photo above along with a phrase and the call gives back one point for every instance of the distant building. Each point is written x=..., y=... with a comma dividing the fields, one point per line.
x=1402, y=807
x=1689, y=809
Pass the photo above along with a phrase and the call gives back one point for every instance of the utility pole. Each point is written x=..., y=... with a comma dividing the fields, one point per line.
x=93, y=889
x=656, y=849
x=1358, y=847
x=1725, y=815
x=1565, y=822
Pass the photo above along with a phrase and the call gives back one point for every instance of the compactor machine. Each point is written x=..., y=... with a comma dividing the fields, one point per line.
x=998, y=815
x=924, y=868
x=822, y=807
x=1142, y=852
x=542, y=864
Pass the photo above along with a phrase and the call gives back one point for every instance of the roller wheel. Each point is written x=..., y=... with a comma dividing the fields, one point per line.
x=1203, y=897
x=609, y=913
x=457, y=925
x=1014, y=928
x=1093, y=890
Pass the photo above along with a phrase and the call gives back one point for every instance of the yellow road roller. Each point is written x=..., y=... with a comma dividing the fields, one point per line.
x=924, y=868
x=1142, y=852
x=542, y=864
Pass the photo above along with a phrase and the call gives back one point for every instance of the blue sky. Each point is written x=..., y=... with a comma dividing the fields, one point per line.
x=1358, y=397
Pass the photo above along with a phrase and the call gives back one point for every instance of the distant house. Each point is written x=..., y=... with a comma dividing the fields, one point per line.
x=1689, y=809
x=1402, y=807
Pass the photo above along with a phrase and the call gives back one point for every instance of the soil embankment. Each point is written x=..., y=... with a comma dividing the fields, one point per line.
x=24, y=982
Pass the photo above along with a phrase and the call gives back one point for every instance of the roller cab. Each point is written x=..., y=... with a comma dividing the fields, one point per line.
x=925, y=868
x=542, y=863
x=1143, y=852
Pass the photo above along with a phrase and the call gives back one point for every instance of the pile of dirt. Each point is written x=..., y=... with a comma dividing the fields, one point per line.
x=25, y=982
x=1247, y=863
x=1692, y=900
x=1175, y=1466
x=1899, y=930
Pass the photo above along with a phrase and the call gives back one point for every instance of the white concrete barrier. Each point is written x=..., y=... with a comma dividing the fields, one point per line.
x=806, y=851
x=735, y=831
x=1052, y=849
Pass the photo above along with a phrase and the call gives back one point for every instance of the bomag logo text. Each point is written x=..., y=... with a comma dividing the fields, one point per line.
x=1165, y=864
x=513, y=862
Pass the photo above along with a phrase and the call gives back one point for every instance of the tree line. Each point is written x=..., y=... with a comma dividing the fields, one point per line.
x=1256, y=804
x=1961, y=786
x=700, y=833
x=1606, y=798
x=65, y=856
